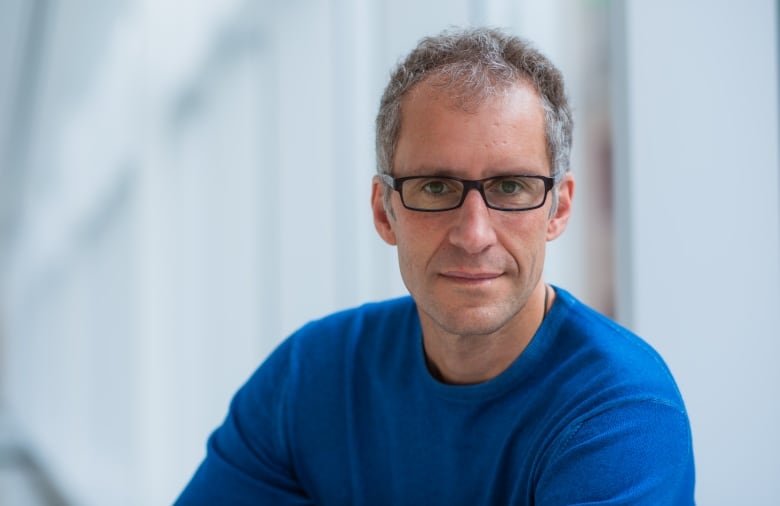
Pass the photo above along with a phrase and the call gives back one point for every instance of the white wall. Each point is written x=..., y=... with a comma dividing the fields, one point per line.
x=700, y=235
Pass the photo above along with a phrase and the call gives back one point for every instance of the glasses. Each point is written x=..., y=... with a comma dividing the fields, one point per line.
x=442, y=193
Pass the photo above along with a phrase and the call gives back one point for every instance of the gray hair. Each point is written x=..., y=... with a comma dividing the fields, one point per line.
x=474, y=64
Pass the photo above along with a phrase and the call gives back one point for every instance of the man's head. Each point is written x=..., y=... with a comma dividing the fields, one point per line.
x=457, y=116
x=472, y=65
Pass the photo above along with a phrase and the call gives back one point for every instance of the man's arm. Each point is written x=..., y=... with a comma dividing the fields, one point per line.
x=247, y=460
x=637, y=453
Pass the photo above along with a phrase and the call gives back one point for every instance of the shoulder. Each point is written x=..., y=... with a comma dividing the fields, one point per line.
x=325, y=348
x=368, y=321
x=597, y=369
x=619, y=414
x=612, y=356
x=317, y=359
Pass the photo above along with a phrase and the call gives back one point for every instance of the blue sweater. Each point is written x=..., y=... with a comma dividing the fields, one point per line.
x=346, y=412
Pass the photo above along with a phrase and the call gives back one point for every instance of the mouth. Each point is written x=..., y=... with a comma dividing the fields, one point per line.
x=471, y=277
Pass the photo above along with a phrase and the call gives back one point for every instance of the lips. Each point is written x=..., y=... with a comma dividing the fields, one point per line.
x=470, y=276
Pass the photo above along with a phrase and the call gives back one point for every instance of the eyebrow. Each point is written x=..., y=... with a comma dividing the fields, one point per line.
x=433, y=171
x=450, y=172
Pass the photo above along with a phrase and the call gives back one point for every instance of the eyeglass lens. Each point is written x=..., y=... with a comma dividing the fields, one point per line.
x=505, y=192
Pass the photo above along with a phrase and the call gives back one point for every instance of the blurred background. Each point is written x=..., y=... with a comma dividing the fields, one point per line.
x=182, y=184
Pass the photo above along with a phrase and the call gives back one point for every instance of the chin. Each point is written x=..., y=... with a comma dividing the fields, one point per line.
x=475, y=321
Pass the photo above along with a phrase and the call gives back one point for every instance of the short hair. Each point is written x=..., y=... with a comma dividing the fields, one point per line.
x=474, y=64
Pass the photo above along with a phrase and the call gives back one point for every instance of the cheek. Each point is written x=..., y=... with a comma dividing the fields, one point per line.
x=525, y=240
x=417, y=244
x=412, y=263
x=419, y=233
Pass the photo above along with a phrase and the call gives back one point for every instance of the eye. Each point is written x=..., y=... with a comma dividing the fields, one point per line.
x=434, y=187
x=510, y=186
x=507, y=186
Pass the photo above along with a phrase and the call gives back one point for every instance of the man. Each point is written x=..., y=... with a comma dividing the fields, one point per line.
x=487, y=386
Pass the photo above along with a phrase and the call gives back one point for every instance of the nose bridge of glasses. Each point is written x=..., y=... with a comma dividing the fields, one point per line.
x=469, y=185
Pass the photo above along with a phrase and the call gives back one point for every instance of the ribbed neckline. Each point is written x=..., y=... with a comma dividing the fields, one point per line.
x=516, y=373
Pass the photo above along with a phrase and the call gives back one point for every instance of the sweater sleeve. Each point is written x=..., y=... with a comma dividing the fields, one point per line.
x=637, y=453
x=247, y=460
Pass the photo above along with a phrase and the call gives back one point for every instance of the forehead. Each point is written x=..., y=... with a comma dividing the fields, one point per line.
x=465, y=90
x=504, y=131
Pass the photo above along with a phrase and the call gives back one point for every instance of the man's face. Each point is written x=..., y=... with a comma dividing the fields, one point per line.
x=471, y=270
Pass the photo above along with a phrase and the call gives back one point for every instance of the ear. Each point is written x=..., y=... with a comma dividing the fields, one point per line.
x=557, y=223
x=382, y=220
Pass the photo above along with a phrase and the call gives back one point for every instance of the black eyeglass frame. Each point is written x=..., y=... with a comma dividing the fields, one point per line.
x=468, y=185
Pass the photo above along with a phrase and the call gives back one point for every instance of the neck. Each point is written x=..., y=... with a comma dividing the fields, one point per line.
x=471, y=359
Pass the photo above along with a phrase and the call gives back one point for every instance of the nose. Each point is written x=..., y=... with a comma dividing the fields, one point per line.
x=473, y=229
